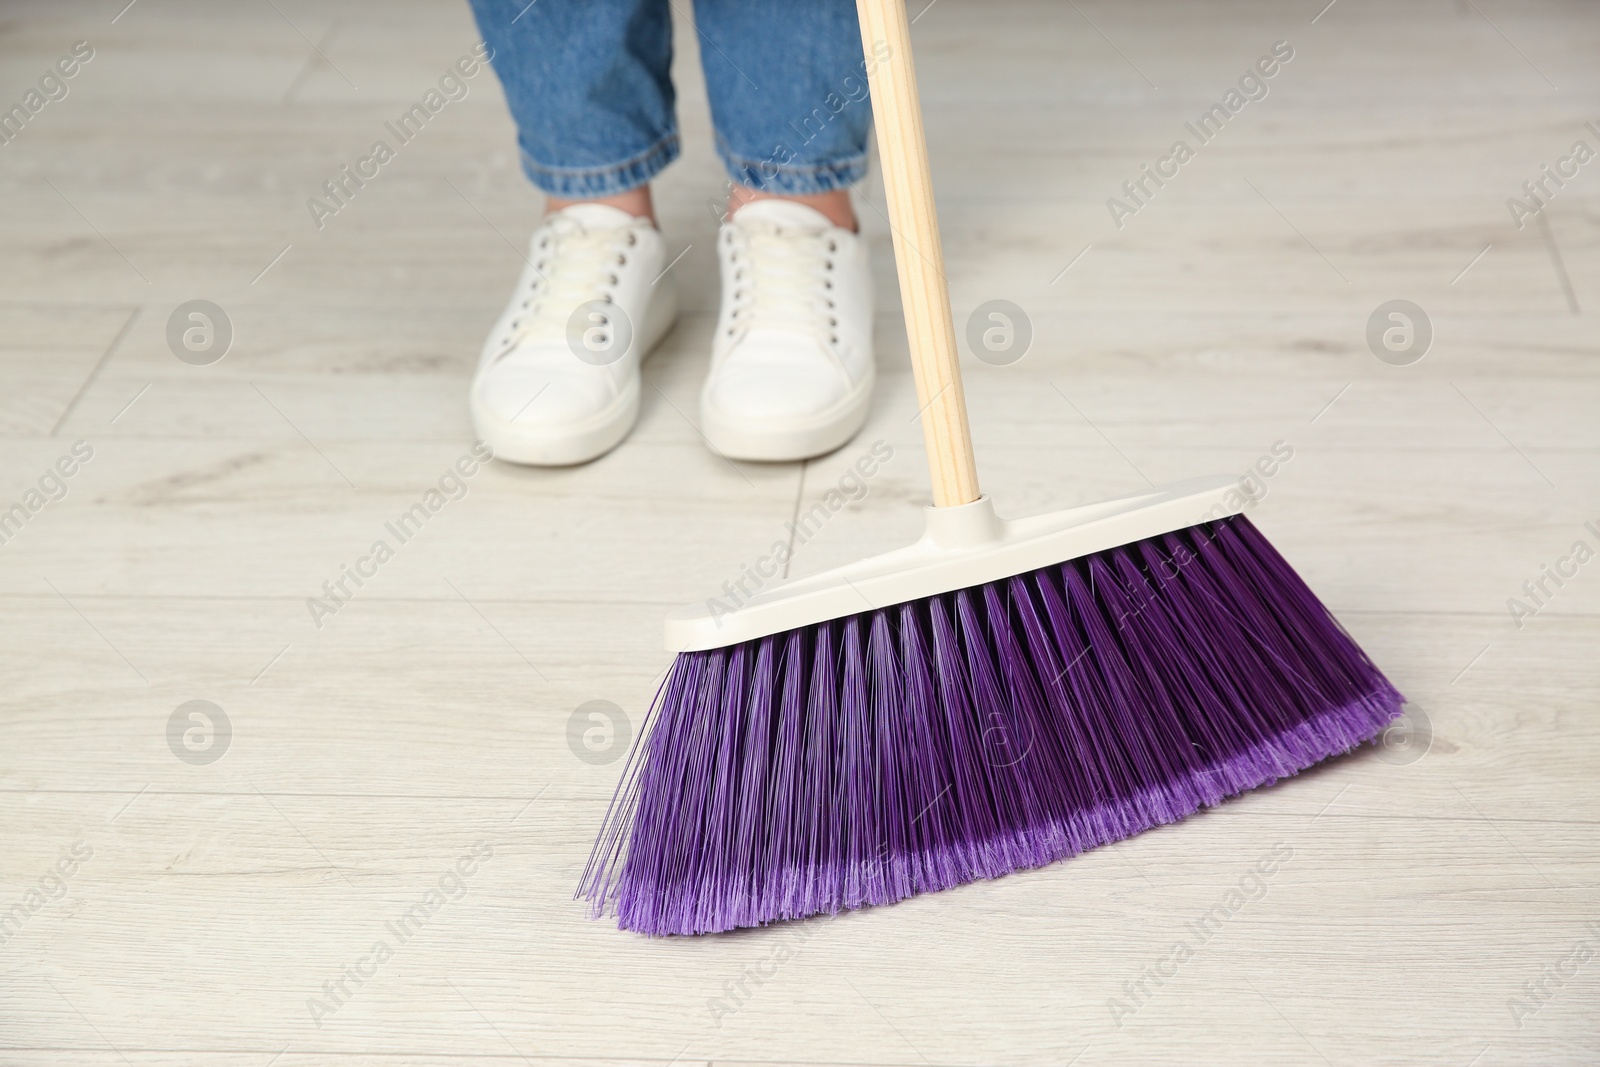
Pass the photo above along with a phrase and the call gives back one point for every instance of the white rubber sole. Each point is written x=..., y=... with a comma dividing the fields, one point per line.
x=573, y=443
x=774, y=441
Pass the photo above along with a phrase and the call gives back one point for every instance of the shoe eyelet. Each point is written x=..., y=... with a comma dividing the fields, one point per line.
x=613, y=279
x=833, y=322
x=828, y=284
x=833, y=246
x=622, y=259
x=830, y=264
x=633, y=239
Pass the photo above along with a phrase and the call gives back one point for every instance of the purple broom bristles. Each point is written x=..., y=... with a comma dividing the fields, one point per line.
x=929, y=744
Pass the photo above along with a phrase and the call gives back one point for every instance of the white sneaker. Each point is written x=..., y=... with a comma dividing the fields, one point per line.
x=556, y=387
x=791, y=364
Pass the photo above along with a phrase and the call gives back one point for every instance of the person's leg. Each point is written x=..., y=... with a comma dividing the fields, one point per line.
x=834, y=206
x=587, y=83
x=636, y=202
x=788, y=92
x=791, y=362
x=589, y=88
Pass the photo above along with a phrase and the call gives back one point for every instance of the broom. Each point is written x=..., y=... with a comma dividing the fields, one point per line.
x=969, y=705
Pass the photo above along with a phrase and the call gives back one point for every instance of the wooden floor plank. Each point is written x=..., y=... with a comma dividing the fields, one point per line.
x=1432, y=889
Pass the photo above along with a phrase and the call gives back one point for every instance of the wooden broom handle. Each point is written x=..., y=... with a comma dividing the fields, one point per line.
x=903, y=155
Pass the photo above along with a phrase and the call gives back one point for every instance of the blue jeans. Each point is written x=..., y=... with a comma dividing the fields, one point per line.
x=589, y=86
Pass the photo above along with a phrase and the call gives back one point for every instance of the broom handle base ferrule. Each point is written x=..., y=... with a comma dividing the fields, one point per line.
x=919, y=258
x=971, y=525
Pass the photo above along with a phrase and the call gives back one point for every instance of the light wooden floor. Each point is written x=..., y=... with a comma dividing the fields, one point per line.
x=1428, y=884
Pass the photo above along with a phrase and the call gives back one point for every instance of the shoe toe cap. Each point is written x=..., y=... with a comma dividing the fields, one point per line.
x=533, y=396
x=780, y=385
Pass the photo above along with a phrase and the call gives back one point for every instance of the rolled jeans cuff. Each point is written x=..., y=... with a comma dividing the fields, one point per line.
x=588, y=183
x=798, y=179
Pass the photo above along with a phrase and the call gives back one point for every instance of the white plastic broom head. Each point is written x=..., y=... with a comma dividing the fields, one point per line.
x=961, y=547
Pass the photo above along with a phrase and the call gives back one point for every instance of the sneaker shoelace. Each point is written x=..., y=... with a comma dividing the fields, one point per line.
x=573, y=265
x=782, y=279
